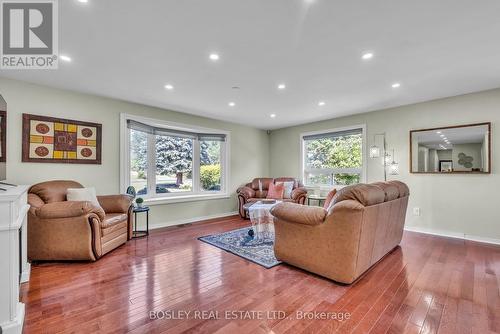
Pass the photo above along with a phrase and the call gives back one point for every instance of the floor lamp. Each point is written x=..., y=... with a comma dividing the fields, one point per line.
x=375, y=153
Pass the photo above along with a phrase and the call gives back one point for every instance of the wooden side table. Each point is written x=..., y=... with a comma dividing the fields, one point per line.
x=317, y=198
x=137, y=233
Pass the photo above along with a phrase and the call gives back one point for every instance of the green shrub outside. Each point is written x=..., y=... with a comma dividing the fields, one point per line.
x=210, y=177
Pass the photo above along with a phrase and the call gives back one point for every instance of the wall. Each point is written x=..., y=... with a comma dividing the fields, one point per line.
x=450, y=204
x=249, y=146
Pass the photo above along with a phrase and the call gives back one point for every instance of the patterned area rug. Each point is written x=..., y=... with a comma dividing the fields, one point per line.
x=240, y=243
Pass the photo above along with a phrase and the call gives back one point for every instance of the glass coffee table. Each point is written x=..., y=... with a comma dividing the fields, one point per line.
x=262, y=220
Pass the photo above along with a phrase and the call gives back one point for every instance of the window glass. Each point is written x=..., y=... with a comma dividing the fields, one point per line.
x=335, y=159
x=210, y=165
x=174, y=164
x=139, y=161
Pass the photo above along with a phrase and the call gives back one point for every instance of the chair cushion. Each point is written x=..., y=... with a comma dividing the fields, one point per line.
x=112, y=219
x=83, y=194
x=53, y=191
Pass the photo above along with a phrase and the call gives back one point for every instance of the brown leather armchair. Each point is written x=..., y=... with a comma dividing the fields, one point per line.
x=252, y=193
x=71, y=230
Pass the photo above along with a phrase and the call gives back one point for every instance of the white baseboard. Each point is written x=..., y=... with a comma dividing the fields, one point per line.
x=191, y=220
x=456, y=235
x=15, y=326
x=25, y=275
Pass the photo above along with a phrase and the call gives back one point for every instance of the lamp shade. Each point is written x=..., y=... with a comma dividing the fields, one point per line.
x=394, y=168
x=374, y=151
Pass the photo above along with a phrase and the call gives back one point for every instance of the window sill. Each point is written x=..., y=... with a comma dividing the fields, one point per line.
x=185, y=198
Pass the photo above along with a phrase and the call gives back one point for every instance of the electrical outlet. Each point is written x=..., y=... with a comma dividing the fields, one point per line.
x=416, y=211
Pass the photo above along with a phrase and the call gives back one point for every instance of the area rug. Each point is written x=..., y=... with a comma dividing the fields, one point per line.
x=240, y=243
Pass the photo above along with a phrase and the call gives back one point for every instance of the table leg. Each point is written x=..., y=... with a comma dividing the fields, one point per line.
x=147, y=223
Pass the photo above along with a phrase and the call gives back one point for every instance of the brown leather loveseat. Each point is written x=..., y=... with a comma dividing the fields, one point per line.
x=257, y=190
x=363, y=223
x=69, y=230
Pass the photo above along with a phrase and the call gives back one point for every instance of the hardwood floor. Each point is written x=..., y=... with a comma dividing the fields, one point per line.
x=428, y=285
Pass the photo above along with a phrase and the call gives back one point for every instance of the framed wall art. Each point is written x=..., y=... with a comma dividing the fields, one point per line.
x=55, y=140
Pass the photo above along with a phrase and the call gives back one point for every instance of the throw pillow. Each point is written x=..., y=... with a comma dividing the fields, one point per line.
x=275, y=191
x=288, y=189
x=83, y=194
x=329, y=199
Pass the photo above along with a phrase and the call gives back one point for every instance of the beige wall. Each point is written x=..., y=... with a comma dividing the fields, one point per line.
x=249, y=146
x=452, y=204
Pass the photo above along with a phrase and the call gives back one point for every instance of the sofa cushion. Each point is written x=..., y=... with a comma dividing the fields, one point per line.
x=365, y=194
x=265, y=181
x=276, y=191
x=53, y=191
x=112, y=219
x=329, y=199
x=403, y=188
x=287, y=179
x=391, y=191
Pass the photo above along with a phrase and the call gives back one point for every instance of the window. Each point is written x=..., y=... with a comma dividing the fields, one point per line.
x=165, y=161
x=334, y=157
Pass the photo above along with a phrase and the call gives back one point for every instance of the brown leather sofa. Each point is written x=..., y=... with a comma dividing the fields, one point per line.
x=64, y=230
x=363, y=223
x=252, y=193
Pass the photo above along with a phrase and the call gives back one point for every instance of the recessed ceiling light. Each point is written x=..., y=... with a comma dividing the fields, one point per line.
x=367, y=56
x=83, y=1
x=169, y=87
x=272, y=115
x=442, y=136
x=214, y=56
x=281, y=86
x=231, y=104
x=439, y=132
x=65, y=58
x=321, y=103
x=396, y=85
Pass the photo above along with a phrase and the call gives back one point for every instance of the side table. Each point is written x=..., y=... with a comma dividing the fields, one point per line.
x=137, y=233
x=316, y=198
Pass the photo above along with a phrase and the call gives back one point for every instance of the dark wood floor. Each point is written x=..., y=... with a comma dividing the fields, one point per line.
x=428, y=285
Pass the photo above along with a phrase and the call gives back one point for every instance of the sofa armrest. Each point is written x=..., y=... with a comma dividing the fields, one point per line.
x=297, y=192
x=67, y=210
x=115, y=203
x=246, y=192
x=300, y=214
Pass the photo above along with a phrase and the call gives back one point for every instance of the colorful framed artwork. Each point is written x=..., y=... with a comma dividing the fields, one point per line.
x=55, y=140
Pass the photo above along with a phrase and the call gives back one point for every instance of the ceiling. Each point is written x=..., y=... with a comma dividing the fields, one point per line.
x=129, y=49
x=455, y=136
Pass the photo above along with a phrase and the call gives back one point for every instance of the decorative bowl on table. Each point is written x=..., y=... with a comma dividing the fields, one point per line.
x=268, y=201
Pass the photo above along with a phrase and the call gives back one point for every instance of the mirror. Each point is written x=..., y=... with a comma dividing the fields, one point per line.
x=448, y=150
x=3, y=139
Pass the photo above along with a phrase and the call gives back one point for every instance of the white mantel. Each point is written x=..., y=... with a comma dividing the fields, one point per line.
x=13, y=213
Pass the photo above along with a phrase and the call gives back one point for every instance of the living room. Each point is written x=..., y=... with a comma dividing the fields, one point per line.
x=292, y=166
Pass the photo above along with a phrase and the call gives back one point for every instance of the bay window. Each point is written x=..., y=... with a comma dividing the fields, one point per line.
x=170, y=161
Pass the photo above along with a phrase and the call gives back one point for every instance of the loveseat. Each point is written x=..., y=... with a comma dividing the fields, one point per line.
x=258, y=188
x=362, y=224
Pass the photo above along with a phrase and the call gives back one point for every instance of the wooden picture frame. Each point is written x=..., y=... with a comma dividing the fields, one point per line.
x=488, y=124
x=3, y=135
x=57, y=140
x=442, y=163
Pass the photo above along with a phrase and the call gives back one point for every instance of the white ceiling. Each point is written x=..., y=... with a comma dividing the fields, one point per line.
x=456, y=136
x=129, y=49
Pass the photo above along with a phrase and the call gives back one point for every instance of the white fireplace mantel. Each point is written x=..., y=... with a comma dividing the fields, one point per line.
x=13, y=258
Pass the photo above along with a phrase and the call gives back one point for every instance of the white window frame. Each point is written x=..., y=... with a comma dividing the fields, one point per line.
x=364, y=156
x=152, y=197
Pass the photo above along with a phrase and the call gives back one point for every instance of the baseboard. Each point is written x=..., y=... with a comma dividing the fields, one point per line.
x=455, y=235
x=191, y=220
x=15, y=326
x=25, y=275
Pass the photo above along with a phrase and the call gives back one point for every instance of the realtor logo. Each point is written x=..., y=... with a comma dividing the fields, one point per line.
x=29, y=34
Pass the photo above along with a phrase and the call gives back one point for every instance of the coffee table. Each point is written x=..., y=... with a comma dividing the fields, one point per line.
x=262, y=220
